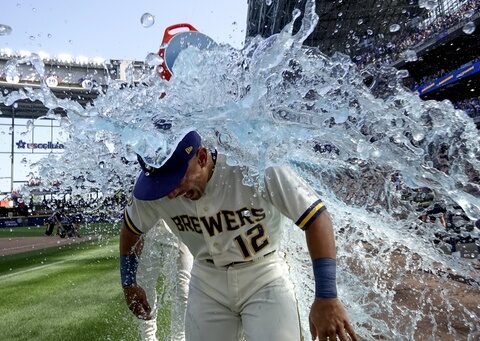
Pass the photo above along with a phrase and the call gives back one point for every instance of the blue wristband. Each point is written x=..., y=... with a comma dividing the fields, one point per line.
x=325, y=273
x=128, y=270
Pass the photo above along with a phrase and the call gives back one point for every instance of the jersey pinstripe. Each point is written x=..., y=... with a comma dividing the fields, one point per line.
x=231, y=222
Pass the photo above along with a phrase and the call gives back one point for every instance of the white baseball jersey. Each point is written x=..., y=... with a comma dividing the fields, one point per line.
x=231, y=222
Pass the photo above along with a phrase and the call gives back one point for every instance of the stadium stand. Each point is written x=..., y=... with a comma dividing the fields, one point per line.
x=438, y=26
x=439, y=47
x=436, y=41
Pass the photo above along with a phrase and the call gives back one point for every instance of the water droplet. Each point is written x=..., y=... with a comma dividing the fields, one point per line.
x=402, y=73
x=147, y=20
x=418, y=136
x=34, y=9
x=5, y=30
x=469, y=14
x=153, y=59
x=296, y=12
x=340, y=14
x=469, y=28
x=268, y=2
x=31, y=38
x=394, y=28
x=369, y=32
x=428, y=4
x=49, y=35
x=410, y=56
x=360, y=21
x=12, y=77
x=223, y=138
x=87, y=84
x=101, y=165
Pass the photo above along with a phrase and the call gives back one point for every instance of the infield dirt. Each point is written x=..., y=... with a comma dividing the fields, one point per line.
x=14, y=245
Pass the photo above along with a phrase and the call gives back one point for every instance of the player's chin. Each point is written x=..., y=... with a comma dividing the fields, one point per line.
x=193, y=195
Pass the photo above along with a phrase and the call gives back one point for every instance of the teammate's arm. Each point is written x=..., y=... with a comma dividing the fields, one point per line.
x=130, y=249
x=328, y=317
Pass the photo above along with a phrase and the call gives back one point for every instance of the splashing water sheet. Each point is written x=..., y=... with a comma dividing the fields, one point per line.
x=278, y=102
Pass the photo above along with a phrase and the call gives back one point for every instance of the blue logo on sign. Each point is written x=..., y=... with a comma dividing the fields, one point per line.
x=49, y=145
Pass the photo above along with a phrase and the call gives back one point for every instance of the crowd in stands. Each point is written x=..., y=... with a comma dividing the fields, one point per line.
x=436, y=27
x=440, y=73
x=61, y=217
x=48, y=206
x=413, y=36
x=471, y=106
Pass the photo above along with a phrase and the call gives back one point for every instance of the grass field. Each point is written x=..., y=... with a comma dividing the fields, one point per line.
x=31, y=231
x=66, y=293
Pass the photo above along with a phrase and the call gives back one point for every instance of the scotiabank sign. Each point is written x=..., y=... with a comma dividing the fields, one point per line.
x=48, y=145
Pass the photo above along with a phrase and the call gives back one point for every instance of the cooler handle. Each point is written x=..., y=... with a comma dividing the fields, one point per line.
x=168, y=35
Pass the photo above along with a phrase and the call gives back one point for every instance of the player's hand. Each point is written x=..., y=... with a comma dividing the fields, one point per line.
x=137, y=301
x=328, y=319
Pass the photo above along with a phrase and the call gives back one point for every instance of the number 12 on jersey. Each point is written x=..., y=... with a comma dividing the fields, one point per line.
x=252, y=241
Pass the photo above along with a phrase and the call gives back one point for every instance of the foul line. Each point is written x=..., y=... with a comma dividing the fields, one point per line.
x=21, y=272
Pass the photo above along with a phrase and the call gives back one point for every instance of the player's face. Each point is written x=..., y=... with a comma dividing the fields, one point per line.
x=195, y=180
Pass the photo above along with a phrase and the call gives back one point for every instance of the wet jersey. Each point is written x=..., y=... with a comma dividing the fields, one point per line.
x=231, y=222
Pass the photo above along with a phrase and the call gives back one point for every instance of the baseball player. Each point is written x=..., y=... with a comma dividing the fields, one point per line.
x=239, y=284
x=158, y=245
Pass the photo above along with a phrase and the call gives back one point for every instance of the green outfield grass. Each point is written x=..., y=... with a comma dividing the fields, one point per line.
x=31, y=231
x=67, y=293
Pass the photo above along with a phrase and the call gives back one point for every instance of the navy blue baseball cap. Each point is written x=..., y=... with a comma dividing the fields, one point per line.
x=155, y=183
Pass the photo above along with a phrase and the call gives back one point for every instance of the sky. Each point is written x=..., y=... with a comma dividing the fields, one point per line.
x=112, y=29
x=103, y=28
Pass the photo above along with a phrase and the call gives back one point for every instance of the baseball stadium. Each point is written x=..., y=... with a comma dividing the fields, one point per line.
x=370, y=109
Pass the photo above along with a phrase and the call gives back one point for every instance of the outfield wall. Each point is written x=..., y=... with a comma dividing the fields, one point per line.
x=22, y=221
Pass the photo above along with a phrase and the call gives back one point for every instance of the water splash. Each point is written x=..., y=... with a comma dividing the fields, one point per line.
x=469, y=27
x=278, y=102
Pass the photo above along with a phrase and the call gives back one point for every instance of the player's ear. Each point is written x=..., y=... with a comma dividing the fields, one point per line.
x=202, y=155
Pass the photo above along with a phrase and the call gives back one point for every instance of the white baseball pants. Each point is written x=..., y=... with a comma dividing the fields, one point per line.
x=254, y=299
